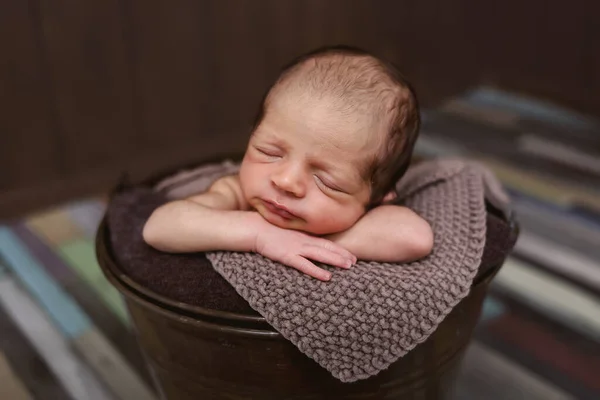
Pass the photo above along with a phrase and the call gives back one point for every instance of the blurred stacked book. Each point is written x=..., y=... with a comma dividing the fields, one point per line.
x=549, y=160
x=548, y=291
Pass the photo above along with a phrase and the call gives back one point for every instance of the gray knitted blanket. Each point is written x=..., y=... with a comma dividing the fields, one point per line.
x=367, y=317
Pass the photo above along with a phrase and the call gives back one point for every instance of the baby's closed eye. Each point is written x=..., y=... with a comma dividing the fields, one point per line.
x=267, y=151
x=328, y=184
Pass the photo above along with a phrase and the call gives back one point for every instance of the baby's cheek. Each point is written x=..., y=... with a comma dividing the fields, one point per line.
x=351, y=215
x=336, y=221
x=249, y=177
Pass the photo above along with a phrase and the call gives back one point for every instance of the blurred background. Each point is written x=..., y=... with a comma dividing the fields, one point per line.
x=90, y=90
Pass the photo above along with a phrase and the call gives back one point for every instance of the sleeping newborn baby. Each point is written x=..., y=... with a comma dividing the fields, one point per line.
x=333, y=136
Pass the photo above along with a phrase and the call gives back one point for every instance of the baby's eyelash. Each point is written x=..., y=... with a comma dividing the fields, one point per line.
x=266, y=152
x=328, y=185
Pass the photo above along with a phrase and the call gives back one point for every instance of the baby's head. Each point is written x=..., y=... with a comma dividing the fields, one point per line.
x=333, y=136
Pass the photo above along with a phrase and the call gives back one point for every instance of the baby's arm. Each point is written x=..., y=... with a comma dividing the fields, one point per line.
x=214, y=220
x=219, y=220
x=388, y=233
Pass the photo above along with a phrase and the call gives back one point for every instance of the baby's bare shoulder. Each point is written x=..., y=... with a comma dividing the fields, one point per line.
x=229, y=184
x=224, y=193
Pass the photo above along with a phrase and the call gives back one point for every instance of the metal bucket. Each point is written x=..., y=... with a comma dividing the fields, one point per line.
x=197, y=353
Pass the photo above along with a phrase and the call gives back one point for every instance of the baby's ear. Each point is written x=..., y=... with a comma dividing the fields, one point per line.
x=391, y=196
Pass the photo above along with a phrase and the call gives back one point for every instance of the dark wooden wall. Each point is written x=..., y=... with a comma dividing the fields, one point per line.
x=91, y=88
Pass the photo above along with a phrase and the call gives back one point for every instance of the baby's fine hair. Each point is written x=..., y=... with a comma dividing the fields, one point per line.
x=357, y=81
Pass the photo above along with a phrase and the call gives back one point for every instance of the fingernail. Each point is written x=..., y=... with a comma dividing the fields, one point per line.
x=349, y=263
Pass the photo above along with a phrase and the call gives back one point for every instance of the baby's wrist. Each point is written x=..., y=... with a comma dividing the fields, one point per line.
x=258, y=228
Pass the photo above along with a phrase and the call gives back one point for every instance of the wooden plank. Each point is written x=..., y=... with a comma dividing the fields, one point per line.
x=487, y=115
x=71, y=320
x=591, y=76
x=577, y=237
x=111, y=366
x=80, y=255
x=26, y=363
x=74, y=375
x=176, y=72
x=59, y=271
x=27, y=123
x=492, y=309
x=139, y=165
x=55, y=226
x=570, y=43
x=87, y=214
x=543, y=187
x=499, y=143
x=122, y=339
x=286, y=19
x=515, y=41
x=487, y=374
x=429, y=56
x=551, y=296
x=305, y=25
x=559, y=258
x=571, y=364
x=106, y=321
x=529, y=107
x=92, y=83
x=239, y=91
x=556, y=192
x=12, y=388
x=59, y=306
x=524, y=336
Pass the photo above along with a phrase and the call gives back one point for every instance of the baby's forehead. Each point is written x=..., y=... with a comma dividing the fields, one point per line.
x=358, y=114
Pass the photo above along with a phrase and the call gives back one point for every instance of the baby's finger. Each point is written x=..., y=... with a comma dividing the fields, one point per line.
x=336, y=248
x=323, y=255
x=305, y=266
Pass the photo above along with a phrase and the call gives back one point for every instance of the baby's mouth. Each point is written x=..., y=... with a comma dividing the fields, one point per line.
x=279, y=210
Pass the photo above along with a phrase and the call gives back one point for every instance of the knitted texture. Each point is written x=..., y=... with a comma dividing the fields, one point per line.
x=367, y=317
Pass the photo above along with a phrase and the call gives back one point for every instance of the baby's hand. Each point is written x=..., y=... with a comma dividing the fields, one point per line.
x=295, y=249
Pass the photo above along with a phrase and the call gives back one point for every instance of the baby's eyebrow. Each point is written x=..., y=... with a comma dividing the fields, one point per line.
x=322, y=164
x=270, y=137
x=334, y=169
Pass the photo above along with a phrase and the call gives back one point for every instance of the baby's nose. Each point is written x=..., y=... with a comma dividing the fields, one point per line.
x=290, y=182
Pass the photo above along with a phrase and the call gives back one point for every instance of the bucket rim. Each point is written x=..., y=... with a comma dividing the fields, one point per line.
x=108, y=264
x=257, y=331
x=129, y=287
